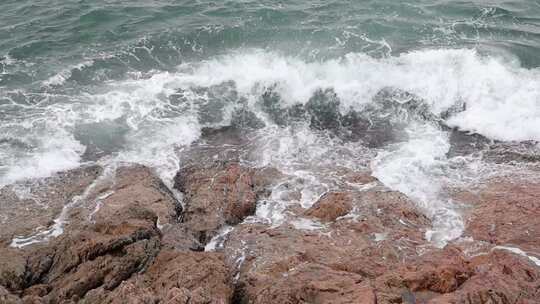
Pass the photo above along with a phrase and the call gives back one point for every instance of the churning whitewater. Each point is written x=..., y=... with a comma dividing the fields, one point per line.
x=150, y=118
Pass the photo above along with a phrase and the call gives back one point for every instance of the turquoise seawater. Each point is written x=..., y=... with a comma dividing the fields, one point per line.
x=39, y=39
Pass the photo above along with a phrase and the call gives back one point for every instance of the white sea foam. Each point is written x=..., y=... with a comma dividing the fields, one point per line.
x=217, y=241
x=156, y=146
x=57, y=79
x=304, y=156
x=154, y=130
x=306, y=224
x=502, y=100
x=488, y=88
x=417, y=168
x=56, y=153
x=380, y=236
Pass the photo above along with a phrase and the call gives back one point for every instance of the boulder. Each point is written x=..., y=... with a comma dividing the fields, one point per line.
x=179, y=237
x=449, y=276
x=214, y=196
x=12, y=269
x=103, y=254
x=108, y=237
x=8, y=298
x=331, y=206
x=139, y=185
x=174, y=277
x=128, y=240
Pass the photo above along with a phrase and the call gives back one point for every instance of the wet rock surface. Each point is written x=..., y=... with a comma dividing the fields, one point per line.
x=504, y=212
x=36, y=203
x=331, y=206
x=128, y=239
x=352, y=249
x=375, y=125
x=223, y=193
x=113, y=243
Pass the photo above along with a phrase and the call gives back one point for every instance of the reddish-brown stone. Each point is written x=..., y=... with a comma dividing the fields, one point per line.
x=331, y=206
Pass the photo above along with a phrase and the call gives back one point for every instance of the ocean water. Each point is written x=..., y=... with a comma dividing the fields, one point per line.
x=381, y=85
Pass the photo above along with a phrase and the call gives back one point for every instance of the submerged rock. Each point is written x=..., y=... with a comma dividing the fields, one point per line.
x=375, y=124
x=526, y=152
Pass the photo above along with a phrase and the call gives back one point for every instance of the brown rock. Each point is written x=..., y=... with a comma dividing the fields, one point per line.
x=7, y=298
x=103, y=255
x=37, y=291
x=370, y=249
x=204, y=275
x=359, y=178
x=174, y=277
x=138, y=185
x=312, y=283
x=262, y=256
x=12, y=269
x=123, y=241
x=220, y=194
x=41, y=202
x=331, y=206
x=179, y=237
x=499, y=277
x=105, y=271
x=440, y=272
x=98, y=250
x=210, y=147
x=447, y=276
x=504, y=212
x=130, y=184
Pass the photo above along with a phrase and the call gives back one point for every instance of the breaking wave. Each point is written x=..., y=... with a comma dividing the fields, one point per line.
x=401, y=109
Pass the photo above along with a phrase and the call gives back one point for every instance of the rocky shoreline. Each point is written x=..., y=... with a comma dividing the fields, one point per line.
x=119, y=235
